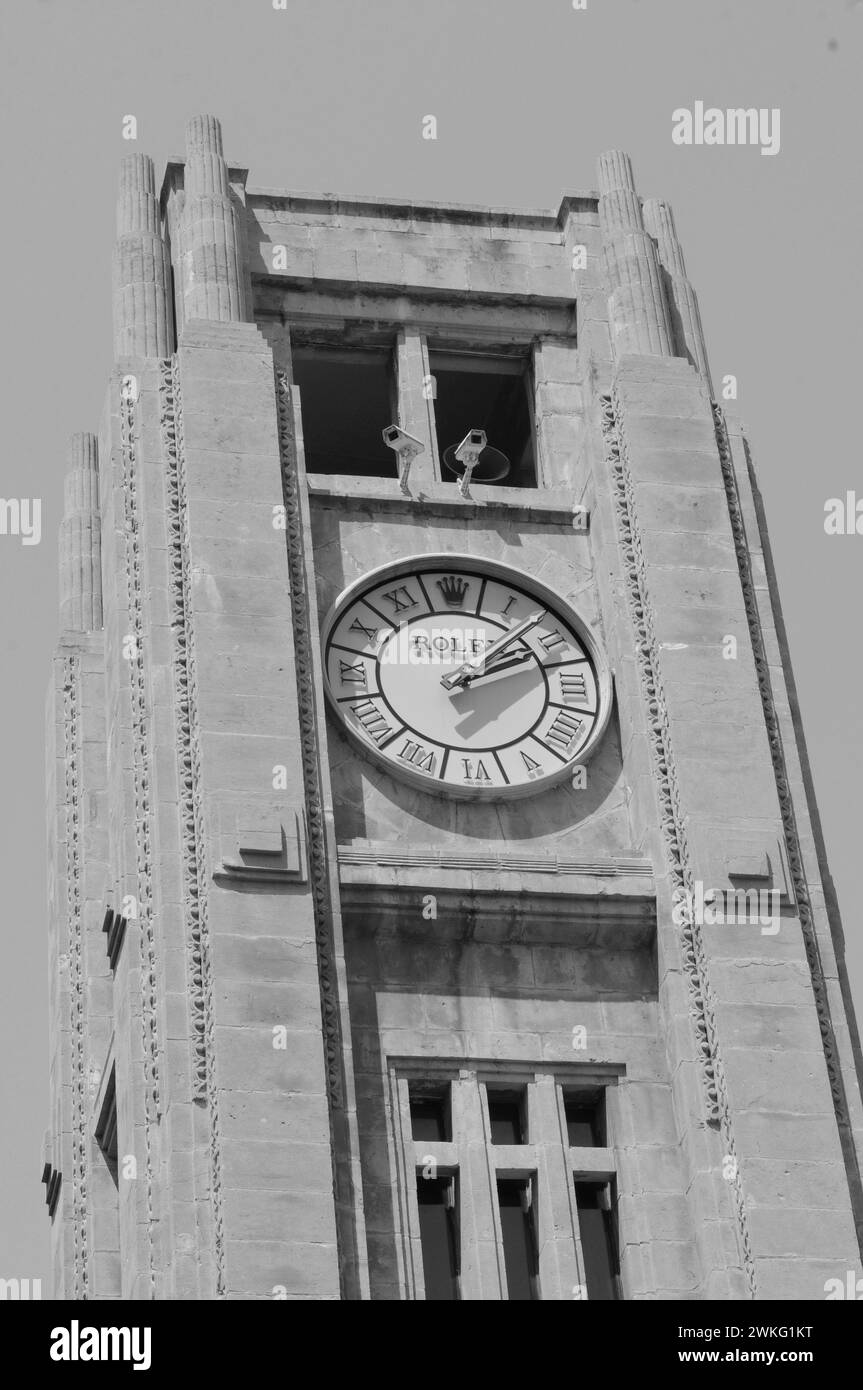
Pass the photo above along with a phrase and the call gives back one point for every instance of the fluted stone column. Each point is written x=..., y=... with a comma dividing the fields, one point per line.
x=688, y=333
x=143, y=313
x=81, y=540
x=210, y=236
x=640, y=321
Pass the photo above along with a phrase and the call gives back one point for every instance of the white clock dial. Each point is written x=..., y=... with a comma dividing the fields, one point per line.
x=465, y=677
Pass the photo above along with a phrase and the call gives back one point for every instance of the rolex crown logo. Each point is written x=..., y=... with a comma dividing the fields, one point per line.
x=453, y=589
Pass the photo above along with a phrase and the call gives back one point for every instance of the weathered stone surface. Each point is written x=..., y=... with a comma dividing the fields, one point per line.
x=274, y=1000
x=143, y=312
x=81, y=539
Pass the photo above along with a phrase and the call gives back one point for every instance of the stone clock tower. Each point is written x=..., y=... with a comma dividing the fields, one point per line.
x=438, y=904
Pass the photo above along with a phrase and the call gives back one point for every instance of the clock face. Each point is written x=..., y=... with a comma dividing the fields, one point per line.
x=465, y=677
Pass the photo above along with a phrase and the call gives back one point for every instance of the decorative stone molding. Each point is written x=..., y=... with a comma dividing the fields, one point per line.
x=77, y=981
x=143, y=803
x=193, y=840
x=797, y=872
x=194, y=876
x=671, y=811
x=762, y=863
x=261, y=844
x=307, y=710
x=506, y=863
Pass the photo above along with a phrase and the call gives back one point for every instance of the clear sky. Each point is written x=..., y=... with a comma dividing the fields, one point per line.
x=329, y=96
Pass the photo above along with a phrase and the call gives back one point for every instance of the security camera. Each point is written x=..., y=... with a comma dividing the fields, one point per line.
x=471, y=447
x=407, y=448
x=403, y=443
x=468, y=453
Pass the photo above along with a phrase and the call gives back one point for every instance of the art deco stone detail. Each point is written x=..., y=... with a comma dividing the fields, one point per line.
x=671, y=811
x=786, y=803
x=303, y=640
x=80, y=1223
x=143, y=813
x=195, y=872
x=143, y=312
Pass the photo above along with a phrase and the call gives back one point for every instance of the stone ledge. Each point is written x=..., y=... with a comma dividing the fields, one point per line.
x=541, y=506
x=210, y=333
x=501, y=860
x=492, y=906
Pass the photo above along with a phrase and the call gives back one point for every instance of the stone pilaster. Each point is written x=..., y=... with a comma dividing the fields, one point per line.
x=682, y=303
x=638, y=313
x=143, y=314
x=211, y=239
x=80, y=540
x=84, y=1256
x=753, y=1098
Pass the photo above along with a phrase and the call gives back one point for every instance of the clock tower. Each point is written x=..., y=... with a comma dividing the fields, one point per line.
x=438, y=902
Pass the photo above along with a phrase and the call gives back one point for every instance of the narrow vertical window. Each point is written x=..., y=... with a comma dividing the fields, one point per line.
x=598, y=1240
x=439, y=1237
x=515, y=1200
x=506, y=1116
x=585, y=1120
x=430, y=1115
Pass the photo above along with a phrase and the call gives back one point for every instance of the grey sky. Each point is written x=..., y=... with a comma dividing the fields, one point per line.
x=329, y=95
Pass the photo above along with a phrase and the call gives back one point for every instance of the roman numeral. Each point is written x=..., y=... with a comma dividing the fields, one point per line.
x=480, y=775
x=508, y=606
x=420, y=758
x=352, y=672
x=564, y=729
x=549, y=640
x=574, y=687
x=368, y=632
x=529, y=763
x=372, y=721
x=400, y=599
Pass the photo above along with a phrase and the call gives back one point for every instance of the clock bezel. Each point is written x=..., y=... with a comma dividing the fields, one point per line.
x=498, y=570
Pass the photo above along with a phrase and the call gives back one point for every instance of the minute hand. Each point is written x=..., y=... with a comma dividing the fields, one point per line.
x=464, y=674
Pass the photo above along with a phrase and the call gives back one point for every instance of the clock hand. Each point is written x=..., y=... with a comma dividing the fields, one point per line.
x=506, y=640
x=515, y=659
x=467, y=672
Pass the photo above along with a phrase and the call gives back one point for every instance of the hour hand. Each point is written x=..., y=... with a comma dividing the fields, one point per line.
x=503, y=663
x=472, y=670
